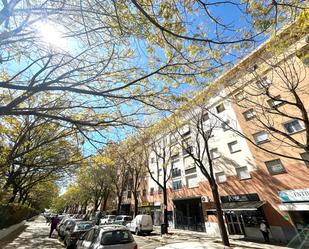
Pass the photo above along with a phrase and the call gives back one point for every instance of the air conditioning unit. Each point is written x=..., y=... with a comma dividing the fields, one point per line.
x=204, y=199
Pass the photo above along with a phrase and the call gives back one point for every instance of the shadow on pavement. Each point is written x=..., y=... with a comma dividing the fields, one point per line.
x=10, y=237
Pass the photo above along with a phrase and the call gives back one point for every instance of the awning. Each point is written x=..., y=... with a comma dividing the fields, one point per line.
x=239, y=206
x=304, y=206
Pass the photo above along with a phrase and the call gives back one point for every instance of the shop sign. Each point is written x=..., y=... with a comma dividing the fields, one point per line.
x=294, y=195
x=145, y=204
x=157, y=203
x=240, y=198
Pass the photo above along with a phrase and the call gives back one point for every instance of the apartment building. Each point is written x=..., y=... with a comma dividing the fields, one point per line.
x=256, y=178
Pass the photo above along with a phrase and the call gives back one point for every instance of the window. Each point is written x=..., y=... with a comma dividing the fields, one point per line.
x=190, y=171
x=261, y=137
x=240, y=96
x=205, y=116
x=305, y=156
x=185, y=130
x=186, y=151
x=226, y=125
x=243, y=173
x=220, y=177
x=116, y=237
x=144, y=192
x=152, y=160
x=220, y=108
x=264, y=83
x=176, y=172
x=160, y=189
x=232, y=82
x=275, y=102
x=151, y=191
x=188, y=162
x=292, y=126
x=234, y=147
x=192, y=181
x=129, y=194
x=177, y=185
x=275, y=167
x=249, y=114
x=253, y=68
x=214, y=153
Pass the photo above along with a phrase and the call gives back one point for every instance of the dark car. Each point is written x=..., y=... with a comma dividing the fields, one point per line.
x=73, y=233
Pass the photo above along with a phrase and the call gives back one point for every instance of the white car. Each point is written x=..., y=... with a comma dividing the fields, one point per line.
x=107, y=237
x=142, y=223
x=108, y=219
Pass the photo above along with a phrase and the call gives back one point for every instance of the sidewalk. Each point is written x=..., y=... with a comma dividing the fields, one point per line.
x=182, y=236
x=34, y=236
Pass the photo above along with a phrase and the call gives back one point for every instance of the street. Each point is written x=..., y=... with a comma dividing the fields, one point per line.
x=34, y=234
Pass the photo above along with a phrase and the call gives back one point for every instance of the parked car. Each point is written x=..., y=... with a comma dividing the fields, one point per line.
x=65, y=226
x=73, y=233
x=107, y=219
x=142, y=223
x=122, y=220
x=107, y=237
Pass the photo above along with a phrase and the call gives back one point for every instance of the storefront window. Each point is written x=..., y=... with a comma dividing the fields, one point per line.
x=252, y=218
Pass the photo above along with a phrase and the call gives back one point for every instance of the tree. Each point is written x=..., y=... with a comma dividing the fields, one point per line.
x=192, y=129
x=42, y=195
x=35, y=151
x=88, y=66
x=134, y=158
x=159, y=154
x=95, y=179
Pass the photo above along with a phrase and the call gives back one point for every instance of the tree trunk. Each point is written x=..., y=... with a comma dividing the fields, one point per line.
x=165, y=220
x=96, y=204
x=12, y=199
x=223, y=232
x=135, y=204
x=105, y=200
x=85, y=207
x=119, y=203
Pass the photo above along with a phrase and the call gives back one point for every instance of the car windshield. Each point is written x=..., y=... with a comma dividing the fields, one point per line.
x=119, y=218
x=111, y=217
x=83, y=226
x=116, y=237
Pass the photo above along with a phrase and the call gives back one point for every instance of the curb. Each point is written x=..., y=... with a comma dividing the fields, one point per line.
x=6, y=231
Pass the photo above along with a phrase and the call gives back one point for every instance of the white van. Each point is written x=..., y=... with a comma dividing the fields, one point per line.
x=142, y=223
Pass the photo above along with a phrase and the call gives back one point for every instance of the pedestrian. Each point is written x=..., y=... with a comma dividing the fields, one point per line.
x=264, y=230
x=53, y=224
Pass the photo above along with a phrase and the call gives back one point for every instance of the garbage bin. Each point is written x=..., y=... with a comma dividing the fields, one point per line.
x=163, y=228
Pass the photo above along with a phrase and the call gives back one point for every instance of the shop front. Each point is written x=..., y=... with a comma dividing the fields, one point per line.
x=154, y=209
x=243, y=214
x=188, y=214
x=296, y=203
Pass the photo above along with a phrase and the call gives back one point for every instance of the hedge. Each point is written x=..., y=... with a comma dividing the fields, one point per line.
x=12, y=214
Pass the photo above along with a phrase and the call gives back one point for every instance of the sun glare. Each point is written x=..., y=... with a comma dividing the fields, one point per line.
x=51, y=34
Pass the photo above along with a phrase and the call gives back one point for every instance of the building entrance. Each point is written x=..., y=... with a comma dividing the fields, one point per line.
x=234, y=223
x=188, y=214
